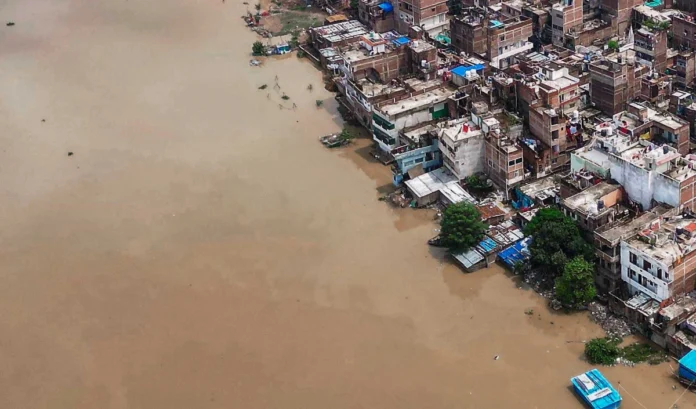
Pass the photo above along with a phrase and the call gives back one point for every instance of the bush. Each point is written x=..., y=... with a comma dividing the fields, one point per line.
x=319, y=103
x=613, y=45
x=603, y=351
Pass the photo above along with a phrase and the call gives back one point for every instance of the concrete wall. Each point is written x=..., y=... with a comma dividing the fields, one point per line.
x=577, y=163
x=464, y=158
x=642, y=186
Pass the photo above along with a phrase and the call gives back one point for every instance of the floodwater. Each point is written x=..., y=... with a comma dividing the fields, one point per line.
x=200, y=249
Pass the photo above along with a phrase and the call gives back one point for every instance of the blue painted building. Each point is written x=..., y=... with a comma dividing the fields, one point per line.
x=420, y=149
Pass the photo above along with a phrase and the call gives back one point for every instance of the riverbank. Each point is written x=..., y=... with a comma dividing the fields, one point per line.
x=202, y=249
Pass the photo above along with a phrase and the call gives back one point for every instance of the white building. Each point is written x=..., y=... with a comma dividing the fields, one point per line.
x=391, y=118
x=463, y=147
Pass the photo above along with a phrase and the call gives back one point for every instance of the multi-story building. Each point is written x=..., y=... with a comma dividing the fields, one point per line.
x=651, y=48
x=431, y=15
x=613, y=83
x=417, y=153
x=660, y=261
x=389, y=118
x=565, y=16
x=684, y=68
x=507, y=39
x=595, y=206
x=684, y=32
x=500, y=40
x=607, y=241
x=462, y=144
x=504, y=160
x=468, y=34
x=377, y=15
x=620, y=10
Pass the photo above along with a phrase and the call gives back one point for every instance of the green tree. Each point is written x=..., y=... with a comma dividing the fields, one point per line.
x=461, y=227
x=602, y=351
x=613, y=45
x=258, y=48
x=575, y=287
x=455, y=7
x=555, y=239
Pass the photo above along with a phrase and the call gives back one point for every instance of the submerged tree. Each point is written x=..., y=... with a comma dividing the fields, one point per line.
x=575, y=288
x=258, y=48
x=555, y=240
x=461, y=227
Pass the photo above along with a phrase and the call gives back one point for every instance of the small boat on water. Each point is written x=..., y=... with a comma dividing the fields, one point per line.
x=436, y=241
x=333, y=141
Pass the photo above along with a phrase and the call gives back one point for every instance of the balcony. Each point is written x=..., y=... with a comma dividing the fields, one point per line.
x=525, y=47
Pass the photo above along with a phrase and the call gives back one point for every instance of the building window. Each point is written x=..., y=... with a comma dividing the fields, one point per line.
x=633, y=258
x=519, y=160
x=659, y=273
x=418, y=160
x=666, y=276
x=511, y=163
x=554, y=160
x=646, y=265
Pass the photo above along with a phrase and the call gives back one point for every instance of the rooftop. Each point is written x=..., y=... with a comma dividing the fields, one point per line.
x=587, y=200
x=341, y=31
x=625, y=228
x=415, y=102
x=543, y=188
x=669, y=243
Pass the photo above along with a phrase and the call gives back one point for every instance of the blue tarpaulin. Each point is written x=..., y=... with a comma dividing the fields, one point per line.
x=401, y=41
x=486, y=245
x=463, y=69
x=596, y=390
x=523, y=201
x=516, y=252
x=386, y=7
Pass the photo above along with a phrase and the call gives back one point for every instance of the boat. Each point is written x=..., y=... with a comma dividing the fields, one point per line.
x=333, y=141
x=436, y=241
x=596, y=391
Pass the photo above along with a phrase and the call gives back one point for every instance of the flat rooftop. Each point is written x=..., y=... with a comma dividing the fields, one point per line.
x=341, y=31
x=415, y=102
x=673, y=241
x=626, y=228
x=543, y=188
x=586, y=201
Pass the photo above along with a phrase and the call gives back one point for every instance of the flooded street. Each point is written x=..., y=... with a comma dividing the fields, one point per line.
x=201, y=249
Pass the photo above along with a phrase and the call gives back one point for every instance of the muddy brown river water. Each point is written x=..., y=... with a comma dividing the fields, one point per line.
x=200, y=249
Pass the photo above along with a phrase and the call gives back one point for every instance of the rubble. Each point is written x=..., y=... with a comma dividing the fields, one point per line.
x=615, y=327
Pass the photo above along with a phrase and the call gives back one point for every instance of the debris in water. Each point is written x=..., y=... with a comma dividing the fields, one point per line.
x=529, y=311
x=496, y=357
x=10, y=23
x=70, y=154
x=264, y=86
x=254, y=63
x=43, y=120
x=285, y=97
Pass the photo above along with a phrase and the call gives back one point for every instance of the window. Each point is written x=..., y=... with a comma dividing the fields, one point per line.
x=511, y=163
x=659, y=273
x=646, y=265
x=502, y=37
x=666, y=276
x=516, y=174
x=554, y=160
x=518, y=160
x=418, y=160
x=632, y=274
x=633, y=258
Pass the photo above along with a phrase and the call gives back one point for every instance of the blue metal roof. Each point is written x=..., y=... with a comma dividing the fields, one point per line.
x=387, y=7
x=496, y=24
x=487, y=245
x=516, y=252
x=401, y=41
x=596, y=390
x=687, y=366
x=463, y=69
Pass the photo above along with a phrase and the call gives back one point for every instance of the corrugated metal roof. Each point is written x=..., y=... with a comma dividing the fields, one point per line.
x=468, y=258
x=463, y=69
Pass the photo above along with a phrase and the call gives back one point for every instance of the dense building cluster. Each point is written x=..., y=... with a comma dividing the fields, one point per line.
x=585, y=105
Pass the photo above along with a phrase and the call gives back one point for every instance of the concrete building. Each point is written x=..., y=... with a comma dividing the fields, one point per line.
x=335, y=35
x=607, y=241
x=595, y=206
x=391, y=117
x=430, y=15
x=504, y=159
x=417, y=153
x=684, y=32
x=684, y=68
x=469, y=34
x=613, y=83
x=651, y=48
x=462, y=144
x=507, y=39
x=377, y=15
x=620, y=10
x=589, y=33
x=660, y=261
x=653, y=175
x=565, y=16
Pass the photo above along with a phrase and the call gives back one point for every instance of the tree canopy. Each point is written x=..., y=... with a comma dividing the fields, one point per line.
x=575, y=288
x=461, y=227
x=555, y=240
